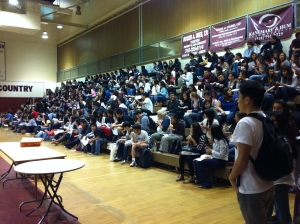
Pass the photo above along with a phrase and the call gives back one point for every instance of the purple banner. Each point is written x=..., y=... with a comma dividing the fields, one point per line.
x=196, y=43
x=231, y=34
x=278, y=22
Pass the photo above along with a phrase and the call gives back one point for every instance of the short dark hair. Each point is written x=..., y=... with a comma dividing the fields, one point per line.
x=219, y=68
x=93, y=124
x=254, y=90
x=250, y=43
x=82, y=121
x=137, y=126
x=274, y=37
x=297, y=34
x=122, y=100
x=226, y=48
x=137, y=112
x=257, y=42
x=126, y=124
x=191, y=54
x=239, y=54
x=174, y=116
x=119, y=111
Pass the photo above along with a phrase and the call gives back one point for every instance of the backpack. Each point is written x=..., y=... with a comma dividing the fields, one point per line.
x=274, y=159
x=152, y=124
x=176, y=147
x=146, y=158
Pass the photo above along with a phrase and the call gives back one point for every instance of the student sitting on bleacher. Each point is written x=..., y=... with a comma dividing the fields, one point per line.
x=195, y=112
x=163, y=122
x=120, y=119
x=124, y=143
x=177, y=133
x=288, y=85
x=146, y=104
x=226, y=106
x=184, y=104
x=173, y=103
x=140, y=139
x=162, y=95
x=197, y=143
x=216, y=160
x=143, y=120
x=208, y=121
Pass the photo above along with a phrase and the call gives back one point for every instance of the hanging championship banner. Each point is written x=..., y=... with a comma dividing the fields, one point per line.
x=278, y=22
x=196, y=43
x=231, y=34
x=2, y=62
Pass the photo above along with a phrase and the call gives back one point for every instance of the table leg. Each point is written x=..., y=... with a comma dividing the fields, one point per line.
x=51, y=185
x=6, y=173
x=36, y=194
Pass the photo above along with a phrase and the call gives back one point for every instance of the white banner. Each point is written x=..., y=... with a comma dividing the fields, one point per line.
x=2, y=61
x=21, y=89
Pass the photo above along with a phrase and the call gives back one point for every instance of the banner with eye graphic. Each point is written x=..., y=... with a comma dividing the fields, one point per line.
x=278, y=22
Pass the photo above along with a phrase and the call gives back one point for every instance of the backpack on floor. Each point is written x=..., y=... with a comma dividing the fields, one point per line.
x=176, y=147
x=274, y=159
x=146, y=158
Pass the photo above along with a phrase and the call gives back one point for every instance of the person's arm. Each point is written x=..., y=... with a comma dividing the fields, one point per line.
x=211, y=78
x=219, y=107
x=240, y=164
x=165, y=124
x=201, y=143
x=294, y=83
x=180, y=130
x=265, y=46
x=94, y=139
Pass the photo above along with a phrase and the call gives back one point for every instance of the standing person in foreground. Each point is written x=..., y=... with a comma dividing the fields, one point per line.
x=254, y=194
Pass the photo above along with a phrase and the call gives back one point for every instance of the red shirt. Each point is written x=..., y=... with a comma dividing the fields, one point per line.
x=35, y=114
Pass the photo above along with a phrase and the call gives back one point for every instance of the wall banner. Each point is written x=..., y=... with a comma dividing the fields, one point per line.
x=195, y=42
x=2, y=62
x=21, y=89
x=231, y=34
x=278, y=22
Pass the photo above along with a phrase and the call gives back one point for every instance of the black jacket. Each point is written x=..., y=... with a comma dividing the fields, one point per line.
x=268, y=46
x=173, y=105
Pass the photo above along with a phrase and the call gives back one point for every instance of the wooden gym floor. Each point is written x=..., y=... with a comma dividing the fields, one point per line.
x=110, y=193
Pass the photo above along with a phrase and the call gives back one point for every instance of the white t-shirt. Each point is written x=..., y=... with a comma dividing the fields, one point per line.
x=188, y=78
x=205, y=123
x=148, y=105
x=249, y=131
x=143, y=136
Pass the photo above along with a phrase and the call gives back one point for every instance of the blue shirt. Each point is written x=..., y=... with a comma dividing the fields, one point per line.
x=227, y=106
x=8, y=115
x=164, y=92
x=248, y=52
x=130, y=92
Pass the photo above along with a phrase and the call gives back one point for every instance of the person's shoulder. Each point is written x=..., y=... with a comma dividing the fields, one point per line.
x=144, y=132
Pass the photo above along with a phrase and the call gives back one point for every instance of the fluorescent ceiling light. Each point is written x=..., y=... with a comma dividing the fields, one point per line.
x=13, y=2
x=59, y=26
x=45, y=35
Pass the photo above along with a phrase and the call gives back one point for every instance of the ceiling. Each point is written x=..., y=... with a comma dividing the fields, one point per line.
x=93, y=14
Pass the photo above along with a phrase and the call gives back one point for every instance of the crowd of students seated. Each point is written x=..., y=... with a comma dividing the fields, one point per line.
x=201, y=95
